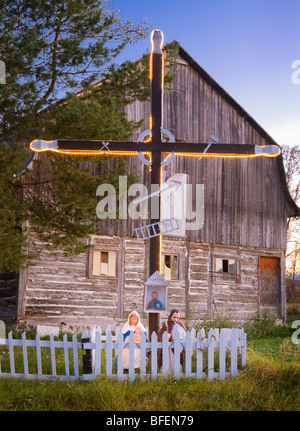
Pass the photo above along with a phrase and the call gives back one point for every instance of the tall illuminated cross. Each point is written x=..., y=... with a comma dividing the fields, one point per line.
x=155, y=148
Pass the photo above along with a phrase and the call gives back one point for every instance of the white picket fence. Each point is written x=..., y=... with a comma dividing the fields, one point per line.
x=217, y=355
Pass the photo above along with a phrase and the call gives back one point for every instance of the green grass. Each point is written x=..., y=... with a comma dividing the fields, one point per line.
x=269, y=382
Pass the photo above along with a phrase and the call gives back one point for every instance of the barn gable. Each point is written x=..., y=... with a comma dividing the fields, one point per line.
x=196, y=106
x=237, y=190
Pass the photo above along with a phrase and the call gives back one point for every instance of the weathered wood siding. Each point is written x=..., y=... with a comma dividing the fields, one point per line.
x=244, y=198
x=199, y=281
x=134, y=276
x=244, y=202
x=193, y=109
x=59, y=289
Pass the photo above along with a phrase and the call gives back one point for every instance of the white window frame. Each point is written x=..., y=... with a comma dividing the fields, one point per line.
x=225, y=276
x=102, y=269
x=163, y=266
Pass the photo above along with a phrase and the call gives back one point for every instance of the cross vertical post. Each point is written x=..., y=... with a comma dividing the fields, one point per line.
x=156, y=75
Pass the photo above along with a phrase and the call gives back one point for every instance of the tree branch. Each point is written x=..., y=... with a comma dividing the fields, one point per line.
x=54, y=61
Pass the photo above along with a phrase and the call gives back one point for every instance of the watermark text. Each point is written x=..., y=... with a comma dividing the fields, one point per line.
x=296, y=334
x=2, y=72
x=2, y=330
x=174, y=199
x=296, y=73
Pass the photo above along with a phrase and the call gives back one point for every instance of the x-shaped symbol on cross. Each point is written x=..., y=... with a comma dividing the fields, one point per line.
x=105, y=145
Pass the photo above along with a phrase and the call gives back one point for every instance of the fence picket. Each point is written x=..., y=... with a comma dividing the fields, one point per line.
x=188, y=354
x=93, y=340
x=154, y=355
x=11, y=354
x=97, y=363
x=66, y=355
x=109, y=349
x=25, y=358
x=120, y=373
x=211, y=354
x=38, y=355
x=143, y=356
x=52, y=354
x=165, y=354
x=176, y=357
x=131, y=357
x=222, y=354
x=233, y=352
x=75, y=355
x=199, y=357
x=243, y=348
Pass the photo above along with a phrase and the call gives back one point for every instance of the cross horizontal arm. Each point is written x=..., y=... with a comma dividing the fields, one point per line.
x=90, y=146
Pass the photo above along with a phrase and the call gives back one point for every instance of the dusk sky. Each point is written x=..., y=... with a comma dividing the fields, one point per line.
x=247, y=46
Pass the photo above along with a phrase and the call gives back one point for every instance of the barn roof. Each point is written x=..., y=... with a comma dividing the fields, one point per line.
x=294, y=209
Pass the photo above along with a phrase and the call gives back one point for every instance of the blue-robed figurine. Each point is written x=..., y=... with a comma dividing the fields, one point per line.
x=134, y=325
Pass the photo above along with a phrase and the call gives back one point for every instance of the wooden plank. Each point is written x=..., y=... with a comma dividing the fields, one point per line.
x=97, y=364
x=143, y=356
x=25, y=357
x=222, y=354
x=165, y=354
x=131, y=372
x=66, y=355
x=93, y=339
x=75, y=356
x=199, y=354
x=154, y=355
x=109, y=350
x=177, y=349
x=120, y=374
x=243, y=349
x=11, y=355
x=188, y=354
x=38, y=355
x=211, y=354
x=120, y=286
x=52, y=355
x=233, y=352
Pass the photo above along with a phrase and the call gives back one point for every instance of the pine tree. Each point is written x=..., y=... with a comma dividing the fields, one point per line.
x=54, y=51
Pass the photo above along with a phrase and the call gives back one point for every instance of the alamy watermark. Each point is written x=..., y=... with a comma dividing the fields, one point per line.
x=296, y=334
x=296, y=73
x=178, y=200
x=2, y=72
x=2, y=330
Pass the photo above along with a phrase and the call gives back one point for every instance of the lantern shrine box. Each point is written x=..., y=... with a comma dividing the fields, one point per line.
x=155, y=294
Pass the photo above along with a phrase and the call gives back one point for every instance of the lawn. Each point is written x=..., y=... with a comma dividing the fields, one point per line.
x=269, y=382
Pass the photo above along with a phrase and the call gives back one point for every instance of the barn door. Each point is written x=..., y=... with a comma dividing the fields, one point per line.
x=269, y=283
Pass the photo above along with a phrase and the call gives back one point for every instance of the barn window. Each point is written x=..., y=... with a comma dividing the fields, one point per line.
x=103, y=263
x=170, y=267
x=225, y=270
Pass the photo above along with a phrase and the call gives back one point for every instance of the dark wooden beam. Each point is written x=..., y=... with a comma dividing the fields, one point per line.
x=156, y=114
x=155, y=145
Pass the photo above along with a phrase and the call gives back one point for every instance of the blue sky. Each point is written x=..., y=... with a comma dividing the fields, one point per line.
x=247, y=46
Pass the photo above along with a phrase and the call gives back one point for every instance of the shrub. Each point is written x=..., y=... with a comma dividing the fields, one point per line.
x=218, y=322
x=261, y=327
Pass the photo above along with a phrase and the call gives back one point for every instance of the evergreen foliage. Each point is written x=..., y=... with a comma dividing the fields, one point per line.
x=61, y=82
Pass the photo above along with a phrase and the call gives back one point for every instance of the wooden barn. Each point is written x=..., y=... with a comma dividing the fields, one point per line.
x=232, y=265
